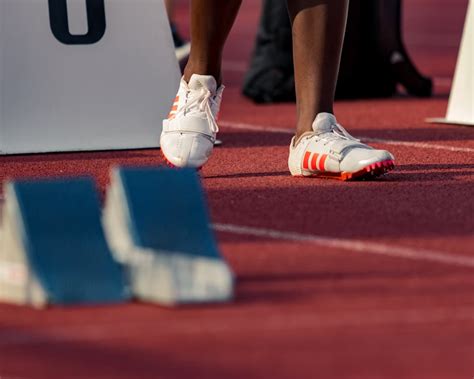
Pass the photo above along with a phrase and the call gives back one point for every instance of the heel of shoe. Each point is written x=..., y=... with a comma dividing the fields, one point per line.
x=294, y=166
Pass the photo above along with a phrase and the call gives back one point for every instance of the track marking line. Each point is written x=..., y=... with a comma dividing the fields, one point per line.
x=418, y=145
x=352, y=245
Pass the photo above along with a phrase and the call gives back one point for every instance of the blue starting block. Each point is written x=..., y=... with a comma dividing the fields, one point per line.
x=53, y=249
x=157, y=225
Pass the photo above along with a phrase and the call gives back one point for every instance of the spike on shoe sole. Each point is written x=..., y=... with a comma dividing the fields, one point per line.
x=369, y=172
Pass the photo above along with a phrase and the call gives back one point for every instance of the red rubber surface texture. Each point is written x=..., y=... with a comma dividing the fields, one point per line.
x=303, y=309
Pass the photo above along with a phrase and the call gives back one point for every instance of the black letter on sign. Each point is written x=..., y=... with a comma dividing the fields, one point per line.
x=59, y=21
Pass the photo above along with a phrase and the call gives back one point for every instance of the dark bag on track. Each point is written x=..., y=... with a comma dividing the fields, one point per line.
x=374, y=59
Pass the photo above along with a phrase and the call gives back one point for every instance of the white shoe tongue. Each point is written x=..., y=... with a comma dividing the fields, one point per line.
x=324, y=122
x=202, y=81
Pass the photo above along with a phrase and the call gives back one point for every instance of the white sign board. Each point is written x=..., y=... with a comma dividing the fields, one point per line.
x=84, y=74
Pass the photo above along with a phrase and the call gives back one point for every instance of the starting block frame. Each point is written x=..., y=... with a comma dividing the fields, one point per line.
x=157, y=225
x=152, y=241
x=53, y=249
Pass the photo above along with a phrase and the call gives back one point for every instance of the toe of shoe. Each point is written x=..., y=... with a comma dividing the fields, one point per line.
x=185, y=149
x=358, y=159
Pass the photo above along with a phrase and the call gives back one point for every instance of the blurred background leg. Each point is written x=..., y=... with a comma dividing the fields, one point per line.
x=181, y=46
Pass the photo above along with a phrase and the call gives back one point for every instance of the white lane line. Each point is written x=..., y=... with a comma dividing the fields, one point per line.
x=418, y=145
x=351, y=245
x=257, y=128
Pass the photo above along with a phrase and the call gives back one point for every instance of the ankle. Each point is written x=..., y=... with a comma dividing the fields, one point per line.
x=303, y=128
x=299, y=137
x=305, y=122
x=201, y=69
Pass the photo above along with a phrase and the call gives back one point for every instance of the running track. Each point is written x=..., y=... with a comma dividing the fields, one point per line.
x=335, y=280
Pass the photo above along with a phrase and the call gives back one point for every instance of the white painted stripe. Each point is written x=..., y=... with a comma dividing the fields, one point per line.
x=257, y=128
x=418, y=145
x=351, y=245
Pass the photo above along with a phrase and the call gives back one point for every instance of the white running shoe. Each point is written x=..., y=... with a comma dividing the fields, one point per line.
x=331, y=152
x=190, y=131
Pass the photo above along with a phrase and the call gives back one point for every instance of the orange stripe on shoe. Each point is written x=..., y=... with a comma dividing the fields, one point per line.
x=306, y=160
x=313, y=162
x=322, y=161
x=176, y=99
x=174, y=108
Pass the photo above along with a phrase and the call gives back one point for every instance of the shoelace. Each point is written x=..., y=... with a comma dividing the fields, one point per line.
x=204, y=101
x=337, y=132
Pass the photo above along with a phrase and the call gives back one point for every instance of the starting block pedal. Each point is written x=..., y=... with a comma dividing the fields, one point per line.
x=53, y=249
x=157, y=225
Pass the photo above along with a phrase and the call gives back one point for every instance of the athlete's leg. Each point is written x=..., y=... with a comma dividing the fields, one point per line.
x=318, y=33
x=211, y=21
x=325, y=147
x=190, y=131
x=181, y=46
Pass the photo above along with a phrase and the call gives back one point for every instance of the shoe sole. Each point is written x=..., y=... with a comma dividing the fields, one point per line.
x=372, y=171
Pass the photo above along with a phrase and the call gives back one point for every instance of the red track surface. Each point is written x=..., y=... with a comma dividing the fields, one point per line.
x=390, y=295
